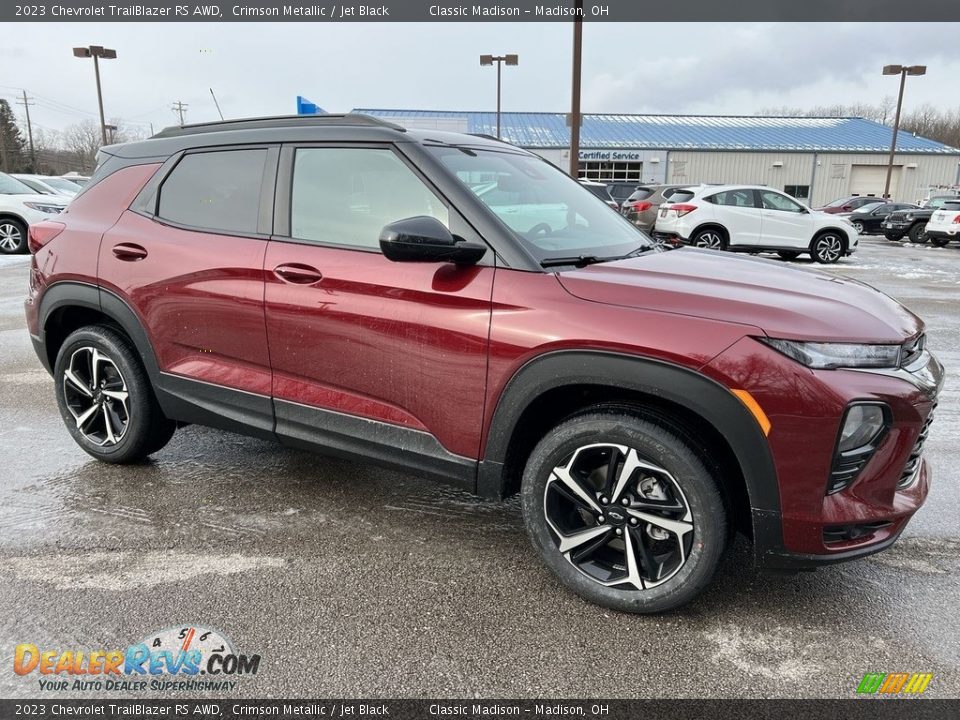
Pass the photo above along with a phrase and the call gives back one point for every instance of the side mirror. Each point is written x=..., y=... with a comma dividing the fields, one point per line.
x=426, y=239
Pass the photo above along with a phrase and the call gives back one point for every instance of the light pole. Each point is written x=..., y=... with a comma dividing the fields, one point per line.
x=499, y=60
x=97, y=52
x=902, y=71
x=575, y=90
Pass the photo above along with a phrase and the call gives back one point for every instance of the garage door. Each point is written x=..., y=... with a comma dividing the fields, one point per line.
x=870, y=180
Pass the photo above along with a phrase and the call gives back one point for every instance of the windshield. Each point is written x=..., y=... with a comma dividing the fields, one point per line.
x=549, y=212
x=938, y=202
x=12, y=186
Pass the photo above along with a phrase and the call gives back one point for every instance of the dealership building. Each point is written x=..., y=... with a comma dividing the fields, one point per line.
x=816, y=159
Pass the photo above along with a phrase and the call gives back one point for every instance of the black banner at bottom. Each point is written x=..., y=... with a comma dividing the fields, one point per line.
x=854, y=709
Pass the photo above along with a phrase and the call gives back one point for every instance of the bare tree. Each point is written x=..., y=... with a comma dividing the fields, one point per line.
x=83, y=140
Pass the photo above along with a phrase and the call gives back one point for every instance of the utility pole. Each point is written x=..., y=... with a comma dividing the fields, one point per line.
x=26, y=106
x=180, y=108
x=575, y=91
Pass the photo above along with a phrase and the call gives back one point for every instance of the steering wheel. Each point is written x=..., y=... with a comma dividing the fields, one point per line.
x=539, y=228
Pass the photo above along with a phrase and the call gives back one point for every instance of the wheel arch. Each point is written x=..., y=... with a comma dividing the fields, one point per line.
x=831, y=228
x=558, y=384
x=67, y=306
x=11, y=215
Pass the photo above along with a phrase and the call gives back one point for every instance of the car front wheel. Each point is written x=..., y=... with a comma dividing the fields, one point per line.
x=13, y=236
x=105, y=397
x=893, y=237
x=858, y=226
x=827, y=248
x=624, y=512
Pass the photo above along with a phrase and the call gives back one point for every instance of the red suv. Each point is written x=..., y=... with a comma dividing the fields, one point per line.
x=459, y=308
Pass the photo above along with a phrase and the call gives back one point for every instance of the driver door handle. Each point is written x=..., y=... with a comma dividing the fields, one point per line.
x=297, y=274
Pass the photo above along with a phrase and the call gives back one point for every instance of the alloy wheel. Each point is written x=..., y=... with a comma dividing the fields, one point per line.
x=858, y=226
x=617, y=518
x=96, y=396
x=829, y=248
x=710, y=239
x=10, y=237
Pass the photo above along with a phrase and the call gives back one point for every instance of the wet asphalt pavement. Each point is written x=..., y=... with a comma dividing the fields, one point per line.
x=354, y=581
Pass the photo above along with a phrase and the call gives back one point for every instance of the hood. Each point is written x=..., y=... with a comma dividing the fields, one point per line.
x=781, y=300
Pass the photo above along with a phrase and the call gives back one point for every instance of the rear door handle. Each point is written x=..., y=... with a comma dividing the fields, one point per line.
x=129, y=252
x=297, y=274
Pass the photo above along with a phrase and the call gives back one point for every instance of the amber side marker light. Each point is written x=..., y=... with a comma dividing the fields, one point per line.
x=754, y=407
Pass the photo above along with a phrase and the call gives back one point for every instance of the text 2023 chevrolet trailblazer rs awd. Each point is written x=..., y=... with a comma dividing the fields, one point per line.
x=462, y=309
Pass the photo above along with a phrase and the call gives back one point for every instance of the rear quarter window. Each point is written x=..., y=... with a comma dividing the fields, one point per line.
x=217, y=191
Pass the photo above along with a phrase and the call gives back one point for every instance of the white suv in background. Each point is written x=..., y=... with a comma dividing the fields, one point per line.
x=944, y=225
x=20, y=207
x=753, y=219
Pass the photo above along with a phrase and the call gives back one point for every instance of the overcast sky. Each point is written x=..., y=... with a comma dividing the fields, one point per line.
x=259, y=69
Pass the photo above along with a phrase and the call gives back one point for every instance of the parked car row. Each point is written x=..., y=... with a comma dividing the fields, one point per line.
x=21, y=206
x=50, y=184
x=912, y=223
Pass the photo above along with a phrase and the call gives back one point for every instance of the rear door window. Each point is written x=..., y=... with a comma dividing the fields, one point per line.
x=217, y=191
x=734, y=198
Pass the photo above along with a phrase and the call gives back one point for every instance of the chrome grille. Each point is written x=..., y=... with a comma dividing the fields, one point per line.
x=912, y=468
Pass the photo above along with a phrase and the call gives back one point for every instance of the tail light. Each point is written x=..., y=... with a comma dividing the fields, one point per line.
x=642, y=205
x=682, y=209
x=42, y=233
x=956, y=219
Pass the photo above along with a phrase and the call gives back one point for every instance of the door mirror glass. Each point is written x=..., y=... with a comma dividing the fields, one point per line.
x=426, y=239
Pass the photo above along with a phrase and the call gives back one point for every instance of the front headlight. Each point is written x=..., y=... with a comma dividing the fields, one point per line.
x=909, y=216
x=47, y=209
x=829, y=356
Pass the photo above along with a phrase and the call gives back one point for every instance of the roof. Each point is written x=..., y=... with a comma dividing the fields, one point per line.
x=676, y=132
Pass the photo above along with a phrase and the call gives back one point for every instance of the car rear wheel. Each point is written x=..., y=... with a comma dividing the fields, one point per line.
x=624, y=512
x=918, y=233
x=940, y=241
x=827, y=248
x=13, y=236
x=105, y=397
x=788, y=254
x=711, y=238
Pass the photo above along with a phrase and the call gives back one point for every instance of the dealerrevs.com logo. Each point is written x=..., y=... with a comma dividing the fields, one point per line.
x=894, y=683
x=187, y=658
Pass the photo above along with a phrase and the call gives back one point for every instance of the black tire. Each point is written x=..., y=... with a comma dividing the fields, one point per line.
x=892, y=237
x=687, y=482
x=828, y=247
x=712, y=238
x=107, y=385
x=788, y=254
x=13, y=236
x=940, y=241
x=918, y=233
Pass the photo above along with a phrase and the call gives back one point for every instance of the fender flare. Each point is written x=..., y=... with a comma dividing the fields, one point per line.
x=78, y=294
x=707, y=398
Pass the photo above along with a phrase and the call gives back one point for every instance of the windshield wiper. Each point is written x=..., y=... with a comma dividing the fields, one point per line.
x=584, y=260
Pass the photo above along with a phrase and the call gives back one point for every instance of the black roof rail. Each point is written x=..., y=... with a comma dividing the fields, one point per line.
x=279, y=121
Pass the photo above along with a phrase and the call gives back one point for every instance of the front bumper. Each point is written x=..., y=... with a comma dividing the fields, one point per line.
x=810, y=527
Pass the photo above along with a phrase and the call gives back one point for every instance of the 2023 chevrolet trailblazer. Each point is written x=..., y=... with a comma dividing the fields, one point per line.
x=460, y=308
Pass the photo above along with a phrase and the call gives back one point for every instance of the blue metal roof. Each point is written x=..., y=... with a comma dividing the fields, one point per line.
x=684, y=132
